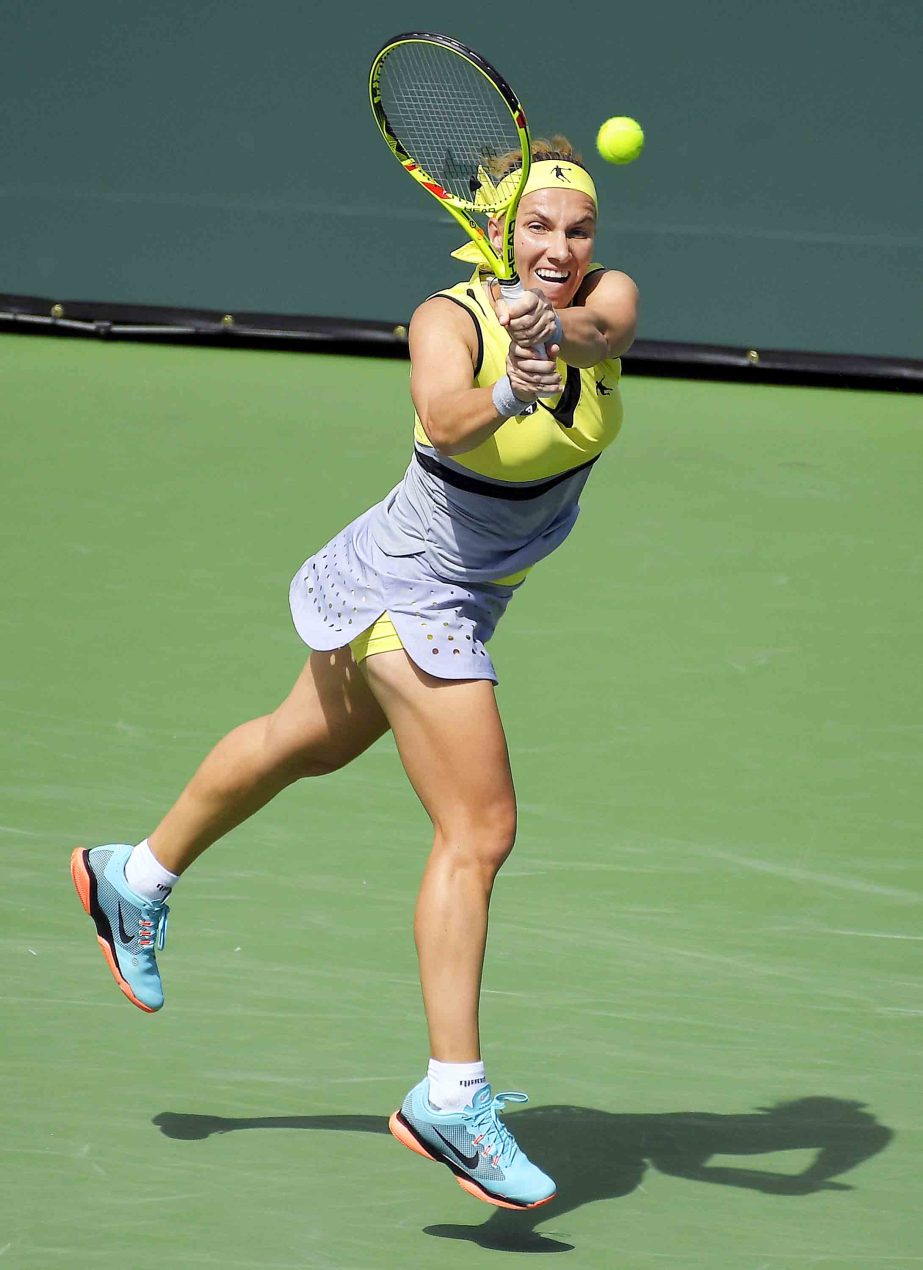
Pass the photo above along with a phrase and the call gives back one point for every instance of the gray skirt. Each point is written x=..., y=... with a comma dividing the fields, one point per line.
x=443, y=625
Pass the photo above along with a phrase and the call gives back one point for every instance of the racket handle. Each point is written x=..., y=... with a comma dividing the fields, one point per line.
x=510, y=289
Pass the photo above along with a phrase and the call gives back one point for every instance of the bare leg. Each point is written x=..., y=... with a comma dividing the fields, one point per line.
x=328, y=719
x=451, y=743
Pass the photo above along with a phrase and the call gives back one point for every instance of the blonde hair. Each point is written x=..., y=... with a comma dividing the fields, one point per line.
x=543, y=148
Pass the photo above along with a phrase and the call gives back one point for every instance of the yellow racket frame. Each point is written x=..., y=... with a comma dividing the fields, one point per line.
x=502, y=263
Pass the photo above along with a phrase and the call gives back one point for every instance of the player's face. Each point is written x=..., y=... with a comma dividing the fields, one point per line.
x=553, y=242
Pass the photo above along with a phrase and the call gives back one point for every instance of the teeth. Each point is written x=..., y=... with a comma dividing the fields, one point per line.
x=549, y=276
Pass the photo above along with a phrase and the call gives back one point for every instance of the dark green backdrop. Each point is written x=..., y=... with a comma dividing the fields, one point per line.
x=222, y=155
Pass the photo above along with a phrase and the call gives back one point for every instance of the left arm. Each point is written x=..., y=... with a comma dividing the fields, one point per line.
x=600, y=325
x=604, y=324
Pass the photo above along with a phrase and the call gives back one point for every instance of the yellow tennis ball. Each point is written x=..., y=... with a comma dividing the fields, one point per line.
x=620, y=139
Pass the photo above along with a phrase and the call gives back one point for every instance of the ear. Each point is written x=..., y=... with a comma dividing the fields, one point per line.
x=495, y=232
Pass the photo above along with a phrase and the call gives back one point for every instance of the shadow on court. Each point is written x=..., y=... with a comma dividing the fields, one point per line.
x=595, y=1155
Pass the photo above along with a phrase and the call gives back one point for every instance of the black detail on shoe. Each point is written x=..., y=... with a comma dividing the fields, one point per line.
x=123, y=933
x=470, y=1162
x=427, y=1147
x=101, y=921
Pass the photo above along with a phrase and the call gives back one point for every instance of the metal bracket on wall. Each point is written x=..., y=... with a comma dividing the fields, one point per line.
x=294, y=333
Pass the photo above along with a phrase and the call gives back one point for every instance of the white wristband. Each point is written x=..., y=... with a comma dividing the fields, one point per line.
x=506, y=403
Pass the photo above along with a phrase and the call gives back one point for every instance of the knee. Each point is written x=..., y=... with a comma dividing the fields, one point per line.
x=483, y=840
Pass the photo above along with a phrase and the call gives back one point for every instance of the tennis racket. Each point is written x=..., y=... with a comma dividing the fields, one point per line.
x=448, y=117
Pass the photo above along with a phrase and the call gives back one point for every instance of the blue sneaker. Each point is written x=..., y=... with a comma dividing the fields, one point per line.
x=475, y=1145
x=127, y=926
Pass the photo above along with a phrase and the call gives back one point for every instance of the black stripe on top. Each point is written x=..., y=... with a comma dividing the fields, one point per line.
x=473, y=485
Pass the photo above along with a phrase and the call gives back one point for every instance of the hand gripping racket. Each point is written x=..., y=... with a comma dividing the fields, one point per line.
x=448, y=117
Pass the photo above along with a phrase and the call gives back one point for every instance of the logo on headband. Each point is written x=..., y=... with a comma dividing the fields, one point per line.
x=560, y=174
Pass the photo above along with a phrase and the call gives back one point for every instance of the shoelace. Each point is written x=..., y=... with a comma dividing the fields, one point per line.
x=485, y=1126
x=151, y=931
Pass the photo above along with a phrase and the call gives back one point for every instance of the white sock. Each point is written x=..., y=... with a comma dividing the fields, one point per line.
x=146, y=876
x=453, y=1085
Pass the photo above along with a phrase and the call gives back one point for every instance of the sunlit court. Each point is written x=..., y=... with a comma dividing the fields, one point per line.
x=703, y=962
x=703, y=957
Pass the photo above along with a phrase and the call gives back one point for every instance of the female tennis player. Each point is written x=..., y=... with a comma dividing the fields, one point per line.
x=398, y=610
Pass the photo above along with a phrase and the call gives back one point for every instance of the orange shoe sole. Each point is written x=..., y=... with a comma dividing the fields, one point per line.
x=85, y=885
x=406, y=1136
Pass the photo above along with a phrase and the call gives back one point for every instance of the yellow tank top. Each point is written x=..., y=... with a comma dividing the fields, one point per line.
x=560, y=433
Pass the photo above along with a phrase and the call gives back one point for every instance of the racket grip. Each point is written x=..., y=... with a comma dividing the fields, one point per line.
x=510, y=288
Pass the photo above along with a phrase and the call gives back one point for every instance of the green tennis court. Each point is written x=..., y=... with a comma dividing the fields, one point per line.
x=705, y=949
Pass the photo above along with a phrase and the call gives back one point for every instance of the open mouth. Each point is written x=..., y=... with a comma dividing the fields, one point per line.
x=552, y=276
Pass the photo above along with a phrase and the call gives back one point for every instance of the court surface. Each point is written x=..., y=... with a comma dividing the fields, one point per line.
x=704, y=964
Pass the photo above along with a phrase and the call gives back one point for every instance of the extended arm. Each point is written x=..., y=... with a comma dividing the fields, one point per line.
x=599, y=325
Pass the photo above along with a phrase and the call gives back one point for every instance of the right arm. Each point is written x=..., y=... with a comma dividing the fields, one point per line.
x=457, y=416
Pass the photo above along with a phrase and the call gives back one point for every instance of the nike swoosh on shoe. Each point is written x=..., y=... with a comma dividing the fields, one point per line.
x=470, y=1162
x=123, y=933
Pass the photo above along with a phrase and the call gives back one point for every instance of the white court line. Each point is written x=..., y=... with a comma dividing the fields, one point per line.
x=799, y=875
x=868, y=934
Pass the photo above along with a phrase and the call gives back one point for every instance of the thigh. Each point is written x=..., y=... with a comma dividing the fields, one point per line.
x=330, y=716
x=451, y=741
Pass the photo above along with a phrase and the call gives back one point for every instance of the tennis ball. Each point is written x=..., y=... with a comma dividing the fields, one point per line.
x=620, y=139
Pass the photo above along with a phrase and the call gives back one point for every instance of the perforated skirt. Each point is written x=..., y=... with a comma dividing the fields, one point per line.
x=443, y=625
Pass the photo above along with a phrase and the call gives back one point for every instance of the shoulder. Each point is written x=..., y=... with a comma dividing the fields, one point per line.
x=442, y=328
x=458, y=313
x=603, y=287
x=445, y=316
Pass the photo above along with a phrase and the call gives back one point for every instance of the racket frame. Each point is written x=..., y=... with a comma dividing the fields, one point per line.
x=502, y=263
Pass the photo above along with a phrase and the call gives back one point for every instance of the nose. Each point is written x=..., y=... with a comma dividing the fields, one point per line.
x=558, y=247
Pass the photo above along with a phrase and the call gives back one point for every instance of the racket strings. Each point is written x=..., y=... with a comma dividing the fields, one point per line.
x=450, y=119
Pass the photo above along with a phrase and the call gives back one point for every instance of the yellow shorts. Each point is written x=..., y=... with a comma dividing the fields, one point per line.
x=381, y=637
